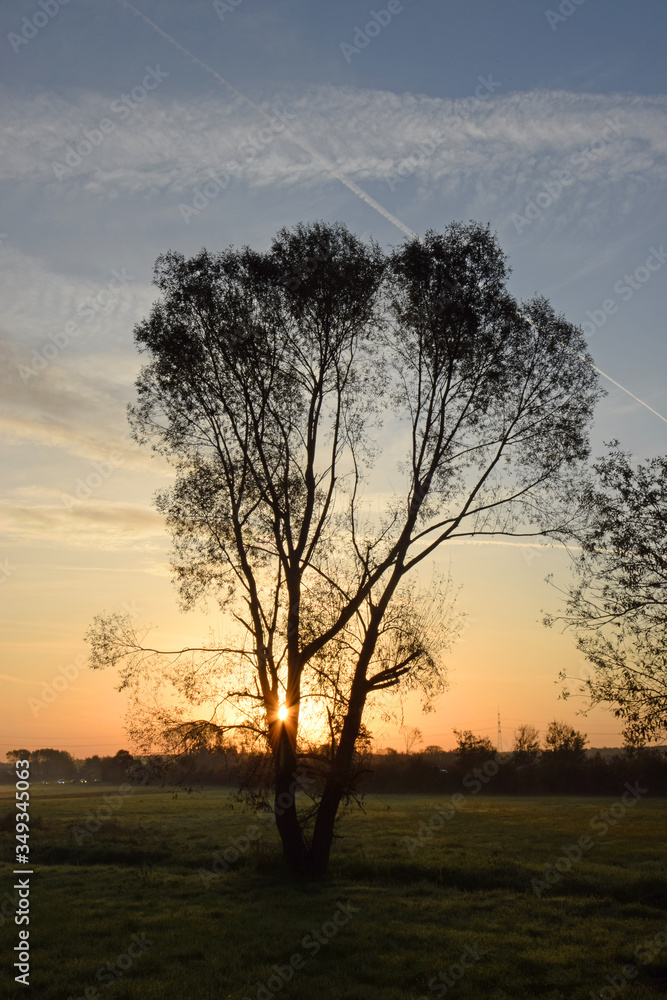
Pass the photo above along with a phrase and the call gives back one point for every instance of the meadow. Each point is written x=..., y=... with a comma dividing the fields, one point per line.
x=155, y=896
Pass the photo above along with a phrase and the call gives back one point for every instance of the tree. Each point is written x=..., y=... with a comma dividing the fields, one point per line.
x=52, y=764
x=91, y=768
x=473, y=750
x=563, y=744
x=618, y=604
x=411, y=738
x=526, y=745
x=118, y=768
x=267, y=395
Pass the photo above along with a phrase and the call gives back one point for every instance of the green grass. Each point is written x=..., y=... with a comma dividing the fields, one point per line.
x=468, y=886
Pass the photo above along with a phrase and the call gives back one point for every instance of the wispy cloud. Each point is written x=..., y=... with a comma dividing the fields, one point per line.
x=9, y=679
x=38, y=302
x=62, y=391
x=514, y=139
x=97, y=523
x=79, y=412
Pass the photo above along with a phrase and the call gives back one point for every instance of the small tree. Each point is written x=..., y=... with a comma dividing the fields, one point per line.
x=563, y=744
x=526, y=745
x=265, y=386
x=117, y=768
x=618, y=605
x=471, y=750
x=412, y=738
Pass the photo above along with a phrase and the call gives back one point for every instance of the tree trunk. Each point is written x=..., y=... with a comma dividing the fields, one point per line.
x=338, y=781
x=287, y=823
x=317, y=859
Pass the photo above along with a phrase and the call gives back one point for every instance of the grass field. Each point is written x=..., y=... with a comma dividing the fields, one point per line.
x=134, y=909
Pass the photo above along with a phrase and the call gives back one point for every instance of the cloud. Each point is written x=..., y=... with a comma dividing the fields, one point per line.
x=78, y=409
x=106, y=447
x=88, y=523
x=62, y=391
x=494, y=156
x=497, y=149
x=147, y=565
x=39, y=303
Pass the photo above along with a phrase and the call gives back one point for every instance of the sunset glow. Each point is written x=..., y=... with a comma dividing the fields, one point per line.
x=416, y=138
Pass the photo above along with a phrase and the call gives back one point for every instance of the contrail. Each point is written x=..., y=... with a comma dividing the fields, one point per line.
x=334, y=171
x=329, y=167
x=622, y=387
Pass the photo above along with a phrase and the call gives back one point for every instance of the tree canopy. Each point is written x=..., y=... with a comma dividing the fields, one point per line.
x=563, y=743
x=472, y=750
x=334, y=414
x=617, y=605
x=525, y=745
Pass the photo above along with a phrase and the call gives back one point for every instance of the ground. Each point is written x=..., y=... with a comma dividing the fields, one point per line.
x=145, y=895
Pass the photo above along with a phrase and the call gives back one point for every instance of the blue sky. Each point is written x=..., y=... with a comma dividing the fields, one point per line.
x=546, y=120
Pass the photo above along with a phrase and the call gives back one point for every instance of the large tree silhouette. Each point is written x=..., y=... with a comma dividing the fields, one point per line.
x=267, y=380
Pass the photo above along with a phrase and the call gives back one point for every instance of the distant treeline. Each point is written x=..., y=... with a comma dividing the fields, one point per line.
x=49, y=765
x=475, y=767
x=503, y=774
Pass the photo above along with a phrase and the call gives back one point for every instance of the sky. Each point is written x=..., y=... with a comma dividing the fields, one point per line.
x=130, y=129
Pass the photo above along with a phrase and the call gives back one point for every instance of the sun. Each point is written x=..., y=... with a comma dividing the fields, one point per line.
x=282, y=712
